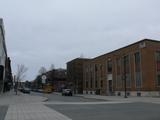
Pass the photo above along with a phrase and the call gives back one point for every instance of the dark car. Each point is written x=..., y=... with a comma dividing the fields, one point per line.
x=67, y=92
x=26, y=90
x=20, y=89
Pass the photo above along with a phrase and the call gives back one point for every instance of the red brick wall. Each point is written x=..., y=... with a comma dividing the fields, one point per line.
x=148, y=67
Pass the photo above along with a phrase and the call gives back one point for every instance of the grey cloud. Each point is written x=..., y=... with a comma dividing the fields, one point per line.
x=39, y=33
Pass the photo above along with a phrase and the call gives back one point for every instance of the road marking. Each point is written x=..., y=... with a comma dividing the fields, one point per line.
x=86, y=103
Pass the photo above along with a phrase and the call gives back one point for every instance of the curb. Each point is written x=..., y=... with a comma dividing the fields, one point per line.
x=56, y=93
x=46, y=99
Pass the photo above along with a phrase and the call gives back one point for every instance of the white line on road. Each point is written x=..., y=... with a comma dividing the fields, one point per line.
x=85, y=103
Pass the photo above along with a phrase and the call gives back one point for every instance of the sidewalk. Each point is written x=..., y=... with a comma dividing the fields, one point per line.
x=122, y=99
x=33, y=112
x=28, y=107
x=10, y=98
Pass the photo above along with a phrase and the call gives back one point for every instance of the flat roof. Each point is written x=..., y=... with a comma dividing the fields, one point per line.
x=79, y=59
x=150, y=40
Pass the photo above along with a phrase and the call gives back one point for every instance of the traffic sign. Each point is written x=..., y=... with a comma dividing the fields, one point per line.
x=44, y=79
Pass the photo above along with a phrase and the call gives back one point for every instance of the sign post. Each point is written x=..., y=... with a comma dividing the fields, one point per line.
x=43, y=82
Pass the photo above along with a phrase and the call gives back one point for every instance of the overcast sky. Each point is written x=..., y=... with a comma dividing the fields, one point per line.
x=44, y=32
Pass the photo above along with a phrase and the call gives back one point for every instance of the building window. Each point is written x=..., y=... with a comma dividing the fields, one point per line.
x=158, y=79
x=109, y=66
x=86, y=84
x=96, y=84
x=118, y=66
x=158, y=55
x=101, y=71
x=138, y=69
x=96, y=68
x=127, y=70
x=137, y=62
x=96, y=75
x=91, y=83
x=158, y=67
x=158, y=61
x=118, y=72
x=101, y=83
x=100, y=66
x=87, y=76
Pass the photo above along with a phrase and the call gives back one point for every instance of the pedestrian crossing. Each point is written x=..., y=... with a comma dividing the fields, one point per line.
x=86, y=103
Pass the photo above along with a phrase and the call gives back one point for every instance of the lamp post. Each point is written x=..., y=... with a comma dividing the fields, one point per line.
x=125, y=87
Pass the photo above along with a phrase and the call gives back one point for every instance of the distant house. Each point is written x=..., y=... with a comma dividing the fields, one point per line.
x=57, y=77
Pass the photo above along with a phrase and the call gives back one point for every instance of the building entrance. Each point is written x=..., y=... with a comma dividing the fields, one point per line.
x=110, y=87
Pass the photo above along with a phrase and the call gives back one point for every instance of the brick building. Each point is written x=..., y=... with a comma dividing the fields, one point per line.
x=136, y=66
x=75, y=74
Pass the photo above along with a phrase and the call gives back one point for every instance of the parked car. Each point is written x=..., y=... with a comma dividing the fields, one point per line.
x=67, y=92
x=25, y=90
x=20, y=89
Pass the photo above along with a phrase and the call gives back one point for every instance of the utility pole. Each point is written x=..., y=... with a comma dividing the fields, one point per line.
x=15, y=84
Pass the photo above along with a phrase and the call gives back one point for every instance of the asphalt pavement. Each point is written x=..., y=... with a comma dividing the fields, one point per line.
x=59, y=98
x=96, y=111
x=58, y=107
x=127, y=111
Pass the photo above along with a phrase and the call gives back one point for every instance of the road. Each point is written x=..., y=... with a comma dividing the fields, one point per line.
x=128, y=111
x=123, y=111
x=60, y=98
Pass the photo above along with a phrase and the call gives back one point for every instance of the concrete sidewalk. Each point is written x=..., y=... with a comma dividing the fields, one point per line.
x=33, y=112
x=122, y=99
x=10, y=98
x=28, y=107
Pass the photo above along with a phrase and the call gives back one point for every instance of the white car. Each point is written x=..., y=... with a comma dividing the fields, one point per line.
x=67, y=92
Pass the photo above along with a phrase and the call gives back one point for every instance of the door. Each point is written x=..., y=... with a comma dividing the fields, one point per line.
x=110, y=87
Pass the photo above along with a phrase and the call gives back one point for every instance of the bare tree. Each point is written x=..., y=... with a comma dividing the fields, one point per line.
x=21, y=70
x=42, y=70
x=20, y=75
